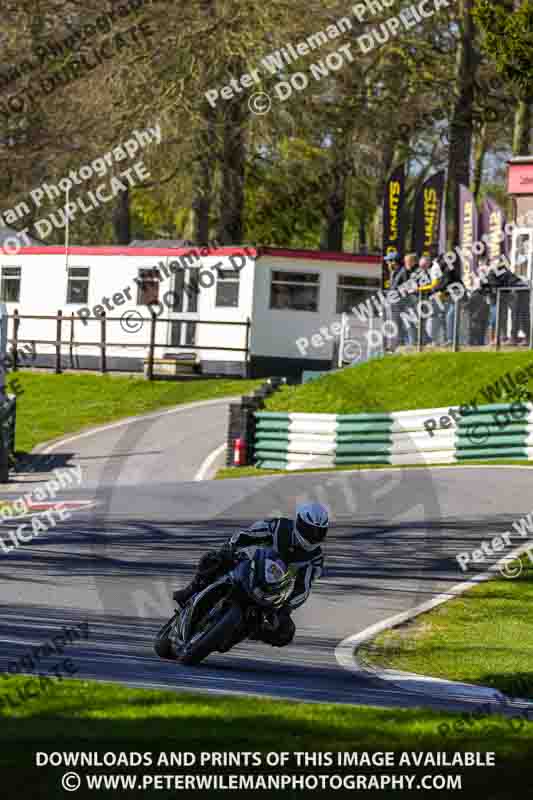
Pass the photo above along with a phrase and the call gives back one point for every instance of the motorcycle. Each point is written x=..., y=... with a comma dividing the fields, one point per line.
x=235, y=607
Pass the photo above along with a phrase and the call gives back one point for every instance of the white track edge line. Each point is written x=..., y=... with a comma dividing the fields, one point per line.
x=345, y=652
x=208, y=461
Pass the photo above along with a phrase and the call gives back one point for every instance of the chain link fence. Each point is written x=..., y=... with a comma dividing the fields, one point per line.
x=492, y=319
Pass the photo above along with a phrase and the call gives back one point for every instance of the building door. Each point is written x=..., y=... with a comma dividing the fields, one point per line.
x=182, y=331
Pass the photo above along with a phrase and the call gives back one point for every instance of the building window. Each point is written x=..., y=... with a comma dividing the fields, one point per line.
x=10, y=290
x=185, y=286
x=175, y=334
x=147, y=287
x=179, y=282
x=227, y=288
x=296, y=291
x=353, y=290
x=190, y=334
x=192, y=289
x=182, y=334
x=78, y=285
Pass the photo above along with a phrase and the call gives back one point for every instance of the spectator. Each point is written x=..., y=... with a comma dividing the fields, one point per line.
x=409, y=302
x=479, y=309
x=490, y=296
x=391, y=263
x=398, y=276
x=423, y=270
x=514, y=302
x=520, y=314
x=398, y=272
x=428, y=276
x=441, y=276
x=430, y=280
x=492, y=318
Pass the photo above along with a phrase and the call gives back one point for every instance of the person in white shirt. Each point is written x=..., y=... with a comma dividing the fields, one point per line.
x=428, y=287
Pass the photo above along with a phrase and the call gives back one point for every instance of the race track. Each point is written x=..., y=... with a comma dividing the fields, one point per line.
x=392, y=546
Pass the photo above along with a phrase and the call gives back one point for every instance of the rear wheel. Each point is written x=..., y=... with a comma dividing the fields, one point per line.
x=212, y=638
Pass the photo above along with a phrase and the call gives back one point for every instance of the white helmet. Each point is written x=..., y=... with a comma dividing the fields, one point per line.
x=310, y=525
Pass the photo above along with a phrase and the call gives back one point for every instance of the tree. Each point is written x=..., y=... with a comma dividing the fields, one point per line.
x=462, y=117
x=507, y=27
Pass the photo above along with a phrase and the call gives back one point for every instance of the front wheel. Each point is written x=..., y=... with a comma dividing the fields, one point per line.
x=212, y=638
x=162, y=643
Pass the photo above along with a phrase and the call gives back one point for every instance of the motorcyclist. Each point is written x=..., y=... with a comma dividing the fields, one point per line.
x=297, y=542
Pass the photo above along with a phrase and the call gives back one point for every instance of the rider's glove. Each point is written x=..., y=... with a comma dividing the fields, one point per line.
x=227, y=552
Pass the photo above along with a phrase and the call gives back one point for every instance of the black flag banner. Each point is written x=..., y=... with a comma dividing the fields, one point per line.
x=468, y=235
x=393, y=202
x=492, y=231
x=427, y=224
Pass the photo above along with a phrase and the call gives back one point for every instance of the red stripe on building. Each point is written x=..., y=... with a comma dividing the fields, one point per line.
x=254, y=252
x=319, y=255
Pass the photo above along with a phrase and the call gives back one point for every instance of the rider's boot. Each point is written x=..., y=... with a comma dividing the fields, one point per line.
x=182, y=596
x=210, y=566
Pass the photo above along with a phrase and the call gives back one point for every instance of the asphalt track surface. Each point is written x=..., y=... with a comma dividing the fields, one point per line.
x=392, y=546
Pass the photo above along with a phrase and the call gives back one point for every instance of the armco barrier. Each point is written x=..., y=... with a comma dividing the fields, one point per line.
x=8, y=418
x=295, y=441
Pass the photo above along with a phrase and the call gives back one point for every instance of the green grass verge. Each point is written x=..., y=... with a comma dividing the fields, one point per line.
x=484, y=636
x=399, y=383
x=253, y=472
x=54, y=405
x=97, y=717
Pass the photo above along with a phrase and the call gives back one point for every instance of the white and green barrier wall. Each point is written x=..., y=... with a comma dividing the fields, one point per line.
x=425, y=436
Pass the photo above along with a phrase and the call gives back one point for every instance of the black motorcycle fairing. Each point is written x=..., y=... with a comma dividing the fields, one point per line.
x=237, y=606
x=205, y=603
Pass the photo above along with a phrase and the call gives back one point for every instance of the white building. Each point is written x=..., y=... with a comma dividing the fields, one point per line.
x=102, y=293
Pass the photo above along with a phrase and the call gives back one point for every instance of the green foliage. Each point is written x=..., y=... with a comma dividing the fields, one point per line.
x=153, y=217
x=284, y=191
x=389, y=106
x=508, y=39
x=497, y=191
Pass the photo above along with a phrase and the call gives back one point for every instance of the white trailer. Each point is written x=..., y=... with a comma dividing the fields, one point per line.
x=239, y=310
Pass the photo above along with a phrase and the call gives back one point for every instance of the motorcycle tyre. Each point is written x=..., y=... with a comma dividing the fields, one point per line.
x=212, y=639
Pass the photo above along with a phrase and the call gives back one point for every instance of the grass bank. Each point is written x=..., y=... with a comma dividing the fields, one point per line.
x=399, y=383
x=54, y=405
x=483, y=637
x=95, y=717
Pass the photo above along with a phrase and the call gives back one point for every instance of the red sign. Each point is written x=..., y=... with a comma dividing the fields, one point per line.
x=520, y=179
